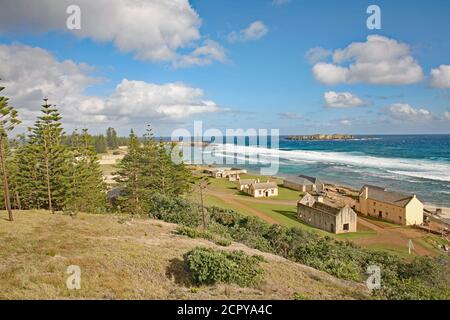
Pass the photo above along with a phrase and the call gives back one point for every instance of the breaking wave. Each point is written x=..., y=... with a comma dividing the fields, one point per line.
x=423, y=169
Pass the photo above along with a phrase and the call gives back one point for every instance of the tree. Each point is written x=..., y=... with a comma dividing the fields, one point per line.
x=45, y=144
x=100, y=144
x=148, y=170
x=8, y=121
x=202, y=183
x=28, y=181
x=129, y=179
x=86, y=189
x=111, y=138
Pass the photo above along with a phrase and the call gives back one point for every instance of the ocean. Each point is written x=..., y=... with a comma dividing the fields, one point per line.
x=417, y=164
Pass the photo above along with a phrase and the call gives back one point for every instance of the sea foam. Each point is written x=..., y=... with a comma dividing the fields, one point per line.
x=424, y=169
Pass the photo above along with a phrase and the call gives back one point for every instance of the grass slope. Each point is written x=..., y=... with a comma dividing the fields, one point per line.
x=124, y=258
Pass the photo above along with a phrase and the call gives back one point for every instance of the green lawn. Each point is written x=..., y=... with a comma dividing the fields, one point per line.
x=393, y=249
x=432, y=241
x=284, y=194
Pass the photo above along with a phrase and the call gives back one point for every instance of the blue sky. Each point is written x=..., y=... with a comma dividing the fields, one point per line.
x=262, y=80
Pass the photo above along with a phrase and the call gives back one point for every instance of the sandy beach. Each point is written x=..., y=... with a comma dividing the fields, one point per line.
x=444, y=216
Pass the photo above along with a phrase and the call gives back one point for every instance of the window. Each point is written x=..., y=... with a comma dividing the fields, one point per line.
x=260, y=192
x=400, y=218
x=346, y=227
x=272, y=191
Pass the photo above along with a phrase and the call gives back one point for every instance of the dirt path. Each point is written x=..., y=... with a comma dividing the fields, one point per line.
x=393, y=236
x=231, y=199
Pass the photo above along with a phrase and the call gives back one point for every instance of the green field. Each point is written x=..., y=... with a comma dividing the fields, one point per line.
x=284, y=194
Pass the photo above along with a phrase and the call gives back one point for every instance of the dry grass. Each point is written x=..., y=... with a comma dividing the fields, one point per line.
x=124, y=258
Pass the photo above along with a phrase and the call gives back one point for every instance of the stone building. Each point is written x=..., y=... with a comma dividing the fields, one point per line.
x=258, y=189
x=304, y=183
x=231, y=174
x=263, y=189
x=391, y=206
x=325, y=217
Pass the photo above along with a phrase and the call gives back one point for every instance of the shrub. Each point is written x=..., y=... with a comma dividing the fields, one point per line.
x=227, y=218
x=196, y=233
x=223, y=242
x=174, y=210
x=209, y=267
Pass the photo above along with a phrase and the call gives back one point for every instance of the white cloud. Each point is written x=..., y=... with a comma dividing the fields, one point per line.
x=405, y=112
x=153, y=30
x=342, y=100
x=29, y=74
x=290, y=116
x=440, y=77
x=256, y=30
x=379, y=60
x=173, y=101
x=447, y=115
x=208, y=53
x=316, y=54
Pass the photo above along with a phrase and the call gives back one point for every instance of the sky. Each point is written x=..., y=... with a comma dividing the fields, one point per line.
x=299, y=66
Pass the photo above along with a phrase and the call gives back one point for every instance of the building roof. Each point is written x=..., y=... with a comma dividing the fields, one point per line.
x=264, y=185
x=304, y=180
x=382, y=195
x=309, y=201
x=244, y=182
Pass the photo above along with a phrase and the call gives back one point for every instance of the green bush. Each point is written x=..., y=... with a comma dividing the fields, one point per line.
x=174, y=210
x=223, y=242
x=196, y=233
x=209, y=267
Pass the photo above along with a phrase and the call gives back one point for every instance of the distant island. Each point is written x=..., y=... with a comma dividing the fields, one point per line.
x=322, y=137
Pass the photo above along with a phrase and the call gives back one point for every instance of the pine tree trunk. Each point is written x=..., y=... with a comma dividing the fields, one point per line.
x=19, y=205
x=49, y=189
x=203, y=208
x=5, y=180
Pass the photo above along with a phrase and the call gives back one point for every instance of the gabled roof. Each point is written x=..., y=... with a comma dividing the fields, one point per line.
x=244, y=182
x=264, y=185
x=309, y=201
x=304, y=180
x=382, y=195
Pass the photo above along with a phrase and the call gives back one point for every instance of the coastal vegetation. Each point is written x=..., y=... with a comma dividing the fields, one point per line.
x=208, y=266
x=421, y=278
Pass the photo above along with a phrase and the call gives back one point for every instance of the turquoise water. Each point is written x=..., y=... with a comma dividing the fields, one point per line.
x=407, y=163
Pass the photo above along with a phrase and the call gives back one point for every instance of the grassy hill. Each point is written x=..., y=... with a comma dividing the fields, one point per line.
x=124, y=258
